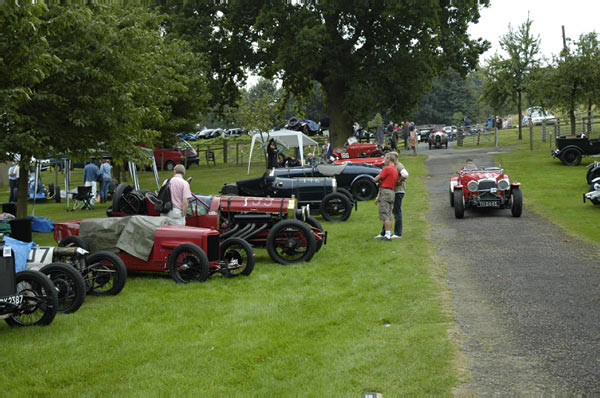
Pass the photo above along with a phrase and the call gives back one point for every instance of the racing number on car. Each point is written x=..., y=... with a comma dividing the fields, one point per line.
x=40, y=255
x=345, y=155
x=257, y=202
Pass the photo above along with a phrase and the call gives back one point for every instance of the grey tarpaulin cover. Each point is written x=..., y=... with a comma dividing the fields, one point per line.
x=133, y=234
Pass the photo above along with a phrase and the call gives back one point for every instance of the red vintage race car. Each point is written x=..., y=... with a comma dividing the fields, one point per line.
x=484, y=187
x=354, y=150
x=272, y=223
x=151, y=244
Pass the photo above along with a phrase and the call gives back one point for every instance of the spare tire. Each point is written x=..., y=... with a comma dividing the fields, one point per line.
x=120, y=190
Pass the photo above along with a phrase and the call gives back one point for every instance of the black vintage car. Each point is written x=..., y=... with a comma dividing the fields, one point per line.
x=570, y=149
x=319, y=194
x=355, y=178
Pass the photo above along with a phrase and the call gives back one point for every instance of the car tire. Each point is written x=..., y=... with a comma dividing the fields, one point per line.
x=41, y=296
x=313, y=222
x=238, y=249
x=446, y=145
x=376, y=154
x=74, y=241
x=430, y=145
x=592, y=174
x=105, y=274
x=169, y=165
x=451, y=199
x=286, y=237
x=336, y=207
x=459, y=203
x=120, y=190
x=516, y=208
x=69, y=284
x=364, y=189
x=188, y=262
x=571, y=157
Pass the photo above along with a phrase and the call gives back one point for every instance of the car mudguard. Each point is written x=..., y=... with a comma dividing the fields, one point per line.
x=561, y=151
x=371, y=178
x=453, y=183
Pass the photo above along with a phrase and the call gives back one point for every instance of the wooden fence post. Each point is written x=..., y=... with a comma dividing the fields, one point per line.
x=224, y=152
x=531, y=136
x=543, y=131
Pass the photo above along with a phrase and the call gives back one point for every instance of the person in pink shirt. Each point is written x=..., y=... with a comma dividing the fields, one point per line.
x=180, y=194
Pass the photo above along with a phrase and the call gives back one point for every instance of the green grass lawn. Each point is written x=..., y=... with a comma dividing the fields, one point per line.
x=510, y=138
x=363, y=315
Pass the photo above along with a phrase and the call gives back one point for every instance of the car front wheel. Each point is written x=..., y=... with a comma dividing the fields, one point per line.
x=188, y=263
x=40, y=300
x=364, y=189
x=237, y=256
x=336, y=207
x=290, y=242
x=105, y=274
x=571, y=157
x=517, y=203
x=70, y=286
x=459, y=203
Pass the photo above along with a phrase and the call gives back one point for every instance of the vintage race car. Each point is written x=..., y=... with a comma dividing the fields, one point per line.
x=437, y=139
x=570, y=149
x=593, y=179
x=356, y=178
x=147, y=243
x=353, y=149
x=318, y=194
x=269, y=223
x=485, y=188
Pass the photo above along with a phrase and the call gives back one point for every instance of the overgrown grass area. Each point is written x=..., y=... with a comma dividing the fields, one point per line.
x=362, y=316
x=554, y=190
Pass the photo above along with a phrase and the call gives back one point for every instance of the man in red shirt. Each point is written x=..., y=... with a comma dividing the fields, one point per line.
x=385, y=199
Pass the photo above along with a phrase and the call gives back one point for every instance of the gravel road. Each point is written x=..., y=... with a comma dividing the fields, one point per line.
x=525, y=295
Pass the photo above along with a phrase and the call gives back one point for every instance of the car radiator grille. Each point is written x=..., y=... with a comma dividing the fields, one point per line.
x=486, y=185
x=212, y=247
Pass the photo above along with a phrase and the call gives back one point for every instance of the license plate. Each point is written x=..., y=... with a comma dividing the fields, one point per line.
x=14, y=300
x=486, y=203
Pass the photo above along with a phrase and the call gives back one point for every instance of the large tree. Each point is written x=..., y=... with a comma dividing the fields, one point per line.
x=366, y=54
x=522, y=48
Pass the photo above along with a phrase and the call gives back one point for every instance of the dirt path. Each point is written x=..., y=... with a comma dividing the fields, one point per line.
x=526, y=297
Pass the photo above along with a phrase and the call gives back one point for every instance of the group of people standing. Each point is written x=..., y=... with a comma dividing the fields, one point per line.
x=404, y=130
x=391, y=192
x=93, y=174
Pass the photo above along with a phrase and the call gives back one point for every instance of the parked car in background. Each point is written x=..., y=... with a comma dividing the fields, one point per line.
x=182, y=153
x=353, y=149
x=451, y=131
x=570, y=149
x=234, y=132
x=537, y=115
x=423, y=135
x=204, y=134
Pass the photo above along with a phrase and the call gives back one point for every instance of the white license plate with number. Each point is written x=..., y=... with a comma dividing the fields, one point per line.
x=489, y=204
x=15, y=300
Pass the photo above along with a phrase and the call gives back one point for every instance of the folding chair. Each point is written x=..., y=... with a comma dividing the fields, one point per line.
x=83, y=199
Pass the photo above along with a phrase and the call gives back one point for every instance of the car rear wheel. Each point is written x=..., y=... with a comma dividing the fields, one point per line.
x=517, y=203
x=40, y=300
x=290, y=242
x=376, y=154
x=364, y=189
x=188, y=263
x=70, y=285
x=105, y=274
x=346, y=192
x=336, y=207
x=571, y=157
x=459, y=203
x=120, y=190
x=237, y=257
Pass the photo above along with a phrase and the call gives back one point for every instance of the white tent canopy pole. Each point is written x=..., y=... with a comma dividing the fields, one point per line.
x=288, y=137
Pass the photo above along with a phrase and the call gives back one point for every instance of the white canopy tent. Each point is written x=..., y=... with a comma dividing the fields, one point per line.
x=290, y=138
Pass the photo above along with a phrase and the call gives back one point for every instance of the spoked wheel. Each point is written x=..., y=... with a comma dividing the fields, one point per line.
x=290, y=242
x=105, y=274
x=188, y=263
x=70, y=285
x=39, y=300
x=120, y=191
x=132, y=203
x=74, y=241
x=571, y=157
x=336, y=207
x=364, y=189
x=237, y=257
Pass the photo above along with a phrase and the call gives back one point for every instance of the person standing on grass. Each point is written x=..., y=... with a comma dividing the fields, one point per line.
x=90, y=176
x=180, y=194
x=380, y=135
x=13, y=181
x=399, y=190
x=272, y=154
x=105, y=169
x=385, y=199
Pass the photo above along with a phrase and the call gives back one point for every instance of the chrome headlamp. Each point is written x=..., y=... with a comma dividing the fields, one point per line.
x=472, y=186
x=503, y=184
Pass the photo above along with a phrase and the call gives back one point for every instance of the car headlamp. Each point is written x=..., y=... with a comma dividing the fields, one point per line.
x=503, y=185
x=472, y=186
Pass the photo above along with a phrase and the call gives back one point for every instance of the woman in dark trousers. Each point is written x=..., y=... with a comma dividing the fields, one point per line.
x=271, y=154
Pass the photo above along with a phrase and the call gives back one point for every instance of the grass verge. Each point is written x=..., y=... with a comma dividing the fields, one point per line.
x=363, y=315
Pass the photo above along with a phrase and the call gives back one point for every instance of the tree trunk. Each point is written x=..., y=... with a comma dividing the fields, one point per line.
x=23, y=192
x=340, y=125
x=520, y=109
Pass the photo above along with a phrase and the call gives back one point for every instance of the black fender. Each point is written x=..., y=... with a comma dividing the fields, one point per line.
x=362, y=176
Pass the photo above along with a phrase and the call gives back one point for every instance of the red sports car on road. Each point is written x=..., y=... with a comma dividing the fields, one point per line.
x=484, y=187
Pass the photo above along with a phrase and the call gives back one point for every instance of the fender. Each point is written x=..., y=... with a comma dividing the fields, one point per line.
x=561, y=151
x=453, y=183
x=370, y=178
